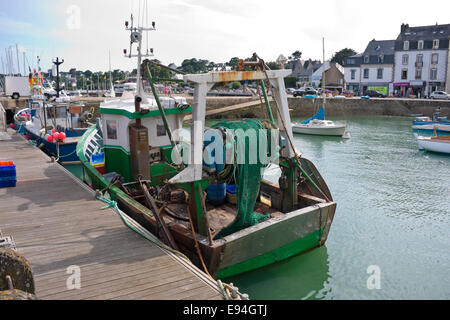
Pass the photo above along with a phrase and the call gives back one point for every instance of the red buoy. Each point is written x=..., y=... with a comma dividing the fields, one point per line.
x=56, y=136
x=50, y=139
x=62, y=136
x=12, y=126
x=53, y=131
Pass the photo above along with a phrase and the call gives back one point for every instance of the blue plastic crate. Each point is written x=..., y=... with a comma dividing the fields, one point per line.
x=8, y=177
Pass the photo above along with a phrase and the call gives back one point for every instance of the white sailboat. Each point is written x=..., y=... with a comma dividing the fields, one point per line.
x=317, y=125
x=111, y=92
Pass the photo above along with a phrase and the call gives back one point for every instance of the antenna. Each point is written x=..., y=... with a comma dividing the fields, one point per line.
x=136, y=37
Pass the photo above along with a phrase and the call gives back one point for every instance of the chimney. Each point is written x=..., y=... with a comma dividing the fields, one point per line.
x=404, y=27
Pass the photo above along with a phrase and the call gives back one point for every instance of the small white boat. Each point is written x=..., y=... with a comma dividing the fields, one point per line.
x=434, y=144
x=320, y=128
x=432, y=127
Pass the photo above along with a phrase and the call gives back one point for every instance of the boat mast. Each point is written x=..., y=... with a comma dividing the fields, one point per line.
x=323, y=75
x=136, y=37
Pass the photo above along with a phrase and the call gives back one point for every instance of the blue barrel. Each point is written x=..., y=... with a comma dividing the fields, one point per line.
x=231, y=189
x=217, y=194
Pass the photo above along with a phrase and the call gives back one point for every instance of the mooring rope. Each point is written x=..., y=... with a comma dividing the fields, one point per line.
x=228, y=291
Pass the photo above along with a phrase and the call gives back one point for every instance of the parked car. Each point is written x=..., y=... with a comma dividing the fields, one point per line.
x=374, y=94
x=440, y=95
x=290, y=90
x=305, y=91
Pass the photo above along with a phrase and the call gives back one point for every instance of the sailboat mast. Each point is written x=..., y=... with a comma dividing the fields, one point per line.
x=323, y=74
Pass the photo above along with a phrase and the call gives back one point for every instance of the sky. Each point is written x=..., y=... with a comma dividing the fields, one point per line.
x=83, y=32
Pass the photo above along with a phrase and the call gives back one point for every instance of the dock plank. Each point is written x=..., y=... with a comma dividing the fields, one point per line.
x=56, y=223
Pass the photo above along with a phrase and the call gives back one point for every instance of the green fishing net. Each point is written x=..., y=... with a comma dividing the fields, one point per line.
x=247, y=174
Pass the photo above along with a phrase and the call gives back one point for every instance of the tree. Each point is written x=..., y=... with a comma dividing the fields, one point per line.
x=273, y=66
x=341, y=56
x=194, y=66
x=236, y=85
x=233, y=63
x=297, y=55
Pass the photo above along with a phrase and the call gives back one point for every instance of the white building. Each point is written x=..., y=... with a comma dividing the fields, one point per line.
x=352, y=73
x=422, y=60
x=371, y=70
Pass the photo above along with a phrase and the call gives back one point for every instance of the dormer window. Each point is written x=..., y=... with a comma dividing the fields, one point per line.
x=420, y=45
x=436, y=44
x=405, y=45
x=381, y=59
x=366, y=59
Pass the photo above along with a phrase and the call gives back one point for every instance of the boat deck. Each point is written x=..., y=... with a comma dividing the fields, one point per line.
x=56, y=223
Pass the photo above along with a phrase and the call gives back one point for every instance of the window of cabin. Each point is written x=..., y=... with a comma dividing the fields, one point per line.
x=404, y=74
x=433, y=74
x=380, y=73
x=405, y=59
x=434, y=58
x=111, y=129
x=405, y=45
x=161, y=130
x=366, y=73
x=420, y=45
x=436, y=44
x=353, y=74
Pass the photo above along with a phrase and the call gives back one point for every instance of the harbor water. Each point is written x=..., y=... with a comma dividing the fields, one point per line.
x=393, y=216
x=393, y=212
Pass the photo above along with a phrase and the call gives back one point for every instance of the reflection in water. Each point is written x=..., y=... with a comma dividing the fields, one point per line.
x=301, y=277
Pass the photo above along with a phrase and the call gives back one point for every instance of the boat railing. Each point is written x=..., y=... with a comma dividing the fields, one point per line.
x=3, y=125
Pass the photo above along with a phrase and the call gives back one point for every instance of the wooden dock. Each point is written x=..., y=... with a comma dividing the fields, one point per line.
x=57, y=223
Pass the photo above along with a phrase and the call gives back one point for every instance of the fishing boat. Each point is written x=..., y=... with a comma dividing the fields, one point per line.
x=317, y=125
x=427, y=121
x=56, y=128
x=177, y=189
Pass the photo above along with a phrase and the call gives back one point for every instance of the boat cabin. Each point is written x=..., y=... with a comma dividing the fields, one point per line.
x=118, y=115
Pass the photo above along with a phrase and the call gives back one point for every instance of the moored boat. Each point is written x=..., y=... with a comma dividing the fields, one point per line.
x=438, y=144
x=320, y=128
x=177, y=190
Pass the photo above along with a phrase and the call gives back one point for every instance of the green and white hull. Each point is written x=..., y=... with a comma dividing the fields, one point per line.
x=275, y=239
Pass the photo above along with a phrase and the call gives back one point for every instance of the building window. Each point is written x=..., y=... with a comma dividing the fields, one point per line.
x=418, y=74
x=405, y=59
x=381, y=59
x=111, y=129
x=405, y=45
x=435, y=44
x=380, y=74
x=434, y=58
x=433, y=74
x=420, y=45
x=366, y=59
x=353, y=74
x=366, y=73
x=404, y=74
